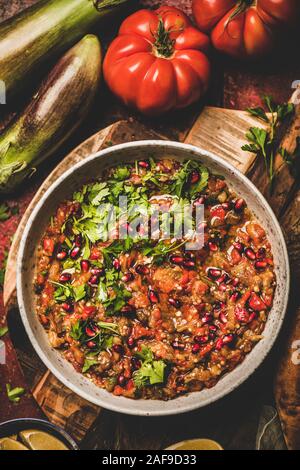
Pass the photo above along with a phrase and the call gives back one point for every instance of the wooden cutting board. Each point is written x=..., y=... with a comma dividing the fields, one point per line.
x=220, y=131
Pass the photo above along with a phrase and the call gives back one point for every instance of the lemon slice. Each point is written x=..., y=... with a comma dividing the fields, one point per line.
x=39, y=440
x=10, y=444
x=196, y=444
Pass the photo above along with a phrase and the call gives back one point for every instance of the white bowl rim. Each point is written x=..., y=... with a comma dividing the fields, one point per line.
x=113, y=403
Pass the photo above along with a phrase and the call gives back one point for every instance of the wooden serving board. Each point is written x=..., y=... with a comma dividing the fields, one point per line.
x=218, y=130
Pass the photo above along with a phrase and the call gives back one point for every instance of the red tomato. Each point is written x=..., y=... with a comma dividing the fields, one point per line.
x=158, y=62
x=244, y=28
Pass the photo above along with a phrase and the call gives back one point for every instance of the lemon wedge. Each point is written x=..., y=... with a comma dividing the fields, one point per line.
x=196, y=444
x=10, y=444
x=39, y=440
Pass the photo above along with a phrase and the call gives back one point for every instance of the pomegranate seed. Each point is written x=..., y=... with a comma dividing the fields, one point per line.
x=207, y=318
x=118, y=348
x=65, y=277
x=224, y=278
x=212, y=331
x=68, y=307
x=178, y=345
x=85, y=266
x=252, y=317
x=91, y=344
x=78, y=240
x=239, y=247
x=219, y=344
x=214, y=273
x=177, y=259
x=227, y=339
x=260, y=265
x=261, y=253
x=194, y=177
x=94, y=280
x=122, y=381
x=234, y=296
x=189, y=264
x=256, y=303
x=90, y=332
x=239, y=205
x=223, y=288
x=116, y=264
x=97, y=271
x=241, y=314
x=128, y=310
x=250, y=254
x=195, y=348
x=135, y=363
x=174, y=302
x=201, y=339
x=213, y=246
x=142, y=269
x=235, y=282
x=128, y=277
x=223, y=317
x=61, y=254
x=153, y=296
x=75, y=252
x=144, y=164
x=131, y=342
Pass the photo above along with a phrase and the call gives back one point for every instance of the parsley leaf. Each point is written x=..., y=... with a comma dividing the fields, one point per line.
x=88, y=363
x=181, y=187
x=264, y=142
x=121, y=173
x=14, y=394
x=151, y=371
x=3, y=331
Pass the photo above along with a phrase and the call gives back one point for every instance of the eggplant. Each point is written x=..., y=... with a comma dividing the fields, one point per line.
x=54, y=113
x=45, y=31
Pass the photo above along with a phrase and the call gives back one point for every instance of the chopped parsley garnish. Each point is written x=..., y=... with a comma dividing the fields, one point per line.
x=151, y=371
x=103, y=334
x=14, y=394
x=66, y=292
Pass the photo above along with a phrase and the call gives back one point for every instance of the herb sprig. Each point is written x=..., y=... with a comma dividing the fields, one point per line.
x=264, y=142
x=151, y=371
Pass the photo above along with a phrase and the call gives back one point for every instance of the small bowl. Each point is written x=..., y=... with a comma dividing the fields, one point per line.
x=9, y=428
x=70, y=182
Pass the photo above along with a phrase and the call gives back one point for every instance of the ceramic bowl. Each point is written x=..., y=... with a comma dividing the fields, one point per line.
x=15, y=426
x=62, y=189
